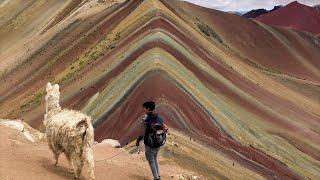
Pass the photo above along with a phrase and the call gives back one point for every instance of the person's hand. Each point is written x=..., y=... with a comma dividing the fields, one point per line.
x=138, y=140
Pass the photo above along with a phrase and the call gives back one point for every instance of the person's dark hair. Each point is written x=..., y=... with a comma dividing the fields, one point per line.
x=150, y=105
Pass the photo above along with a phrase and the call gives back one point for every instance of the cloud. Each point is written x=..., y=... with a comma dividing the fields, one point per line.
x=246, y=5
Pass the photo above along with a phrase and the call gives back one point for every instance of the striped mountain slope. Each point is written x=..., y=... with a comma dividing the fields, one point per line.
x=245, y=89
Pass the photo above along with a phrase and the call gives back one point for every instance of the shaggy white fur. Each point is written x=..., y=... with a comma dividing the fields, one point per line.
x=70, y=132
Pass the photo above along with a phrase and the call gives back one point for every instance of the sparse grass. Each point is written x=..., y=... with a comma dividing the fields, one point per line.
x=208, y=31
x=151, y=13
x=11, y=115
x=113, y=43
x=32, y=103
x=90, y=56
x=117, y=36
x=3, y=73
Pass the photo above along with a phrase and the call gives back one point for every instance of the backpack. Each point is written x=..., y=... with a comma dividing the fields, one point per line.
x=155, y=135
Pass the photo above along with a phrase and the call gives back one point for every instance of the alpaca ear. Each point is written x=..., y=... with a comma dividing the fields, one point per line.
x=56, y=86
x=49, y=86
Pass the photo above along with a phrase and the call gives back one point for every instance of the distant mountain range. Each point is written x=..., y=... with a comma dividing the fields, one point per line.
x=257, y=12
x=240, y=13
x=317, y=7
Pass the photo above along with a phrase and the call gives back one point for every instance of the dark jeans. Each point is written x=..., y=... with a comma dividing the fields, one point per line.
x=151, y=156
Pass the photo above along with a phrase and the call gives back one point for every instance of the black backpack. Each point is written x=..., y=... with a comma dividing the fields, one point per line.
x=156, y=134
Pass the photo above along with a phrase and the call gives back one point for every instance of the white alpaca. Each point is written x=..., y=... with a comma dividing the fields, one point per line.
x=68, y=131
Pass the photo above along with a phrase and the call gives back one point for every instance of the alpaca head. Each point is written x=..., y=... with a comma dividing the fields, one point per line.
x=52, y=97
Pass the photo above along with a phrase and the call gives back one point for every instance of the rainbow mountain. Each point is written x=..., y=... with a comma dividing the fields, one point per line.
x=247, y=90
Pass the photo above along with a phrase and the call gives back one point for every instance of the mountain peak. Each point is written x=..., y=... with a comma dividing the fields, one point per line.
x=294, y=15
x=296, y=4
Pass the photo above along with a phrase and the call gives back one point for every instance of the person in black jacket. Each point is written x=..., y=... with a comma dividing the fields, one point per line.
x=148, y=123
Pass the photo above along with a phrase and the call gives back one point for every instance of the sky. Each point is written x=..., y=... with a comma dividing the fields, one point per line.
x=247, y=5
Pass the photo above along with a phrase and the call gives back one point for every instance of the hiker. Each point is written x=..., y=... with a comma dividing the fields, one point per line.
x=153, y=131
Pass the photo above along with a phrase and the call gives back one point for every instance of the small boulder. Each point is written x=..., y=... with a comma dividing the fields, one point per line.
x=14, y=124
x=114, y=143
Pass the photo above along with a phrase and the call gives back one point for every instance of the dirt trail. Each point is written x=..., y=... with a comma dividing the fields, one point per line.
x=22, y=159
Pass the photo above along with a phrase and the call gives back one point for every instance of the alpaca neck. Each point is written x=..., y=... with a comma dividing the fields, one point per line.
x=52, y=107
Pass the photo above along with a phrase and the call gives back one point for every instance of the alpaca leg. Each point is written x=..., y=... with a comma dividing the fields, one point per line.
x=79, y=167
x=71, y=167
x=56, y=151
x=56, y=157
x=90, y=162
x=77, y=161
x=71, y=170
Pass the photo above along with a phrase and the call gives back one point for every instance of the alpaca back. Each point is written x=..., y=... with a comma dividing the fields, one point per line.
x=69, y=130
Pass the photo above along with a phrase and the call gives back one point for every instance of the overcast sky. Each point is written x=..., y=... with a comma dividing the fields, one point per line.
x=246, y=5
